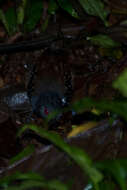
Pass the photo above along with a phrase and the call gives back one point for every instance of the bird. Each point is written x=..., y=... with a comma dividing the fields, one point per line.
x=49, y=87
x=47, y=95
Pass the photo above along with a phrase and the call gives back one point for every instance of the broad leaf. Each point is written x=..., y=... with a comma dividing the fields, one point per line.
x=95, y=8
x=33, y=14
x=121, y=83
x=103, y=41
x=76, y=153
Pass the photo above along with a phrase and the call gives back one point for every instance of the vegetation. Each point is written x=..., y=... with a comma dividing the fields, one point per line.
x=102, y=175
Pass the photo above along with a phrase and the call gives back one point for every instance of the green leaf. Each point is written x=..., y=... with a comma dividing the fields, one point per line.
x=26, y=152
x=33, y=14
x=106, y=185
x=5, y=181
x=66, y=5
x=21, y=12
x=121, y=83
x=103, y=41
x=52, y=7
x=10, y=16
x=31, y=184
x=4, y=21
x=117, y=169
x=118, y=107
x=95, y=8
x=30, y=180
x=76, y=153
x=9, y=20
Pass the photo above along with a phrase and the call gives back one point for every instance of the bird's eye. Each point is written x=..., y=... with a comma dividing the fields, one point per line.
x=63, y=100
x=46, y=111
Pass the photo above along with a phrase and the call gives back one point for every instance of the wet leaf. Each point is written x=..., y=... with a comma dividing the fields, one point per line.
x=103, y=41
x=95, y=8
x=121, y=83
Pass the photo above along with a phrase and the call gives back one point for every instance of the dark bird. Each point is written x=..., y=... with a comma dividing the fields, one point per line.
x=48, y=94
x=49, y=88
